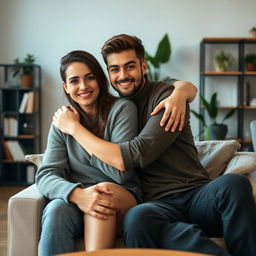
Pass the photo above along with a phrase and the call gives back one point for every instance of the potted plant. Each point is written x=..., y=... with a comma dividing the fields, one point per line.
x=222, y=61
x=253, y=31
x=214, y=130
x=162, y=55
x=25, y=69
x=250, y=61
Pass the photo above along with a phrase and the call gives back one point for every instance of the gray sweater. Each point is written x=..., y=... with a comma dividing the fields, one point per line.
x=67, y=165
x=168, y=161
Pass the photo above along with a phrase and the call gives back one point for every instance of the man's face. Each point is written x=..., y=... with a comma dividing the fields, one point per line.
x=126, y=72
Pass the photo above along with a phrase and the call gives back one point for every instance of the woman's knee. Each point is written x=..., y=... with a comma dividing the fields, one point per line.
x=58, y=212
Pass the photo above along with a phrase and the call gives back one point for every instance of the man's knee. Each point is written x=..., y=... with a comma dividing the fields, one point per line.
x=235, y=182
x=142, y=216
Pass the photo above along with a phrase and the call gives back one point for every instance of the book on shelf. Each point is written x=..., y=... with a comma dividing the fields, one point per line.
x=7, y=153
x=24, y=102
x=15, y=150
x=31, y=102
x=30, y=174
x=10, y=127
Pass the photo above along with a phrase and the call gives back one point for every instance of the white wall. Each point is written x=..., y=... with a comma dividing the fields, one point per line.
x=51, y=28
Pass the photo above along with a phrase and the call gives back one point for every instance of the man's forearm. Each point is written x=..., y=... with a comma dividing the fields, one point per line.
x=188, y=89
x=107, y=152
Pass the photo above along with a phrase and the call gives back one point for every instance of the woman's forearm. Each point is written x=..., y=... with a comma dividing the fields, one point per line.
x=108, y=152
x=188, y=89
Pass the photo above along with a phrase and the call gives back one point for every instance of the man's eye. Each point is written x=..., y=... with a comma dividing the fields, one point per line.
x=114, y=70
x=130, y=67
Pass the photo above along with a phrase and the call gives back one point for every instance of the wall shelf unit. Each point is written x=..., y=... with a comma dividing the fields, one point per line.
x=20, y=129
x=244, y=83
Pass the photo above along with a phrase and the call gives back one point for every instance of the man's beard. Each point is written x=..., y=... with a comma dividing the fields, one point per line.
x=135, y=89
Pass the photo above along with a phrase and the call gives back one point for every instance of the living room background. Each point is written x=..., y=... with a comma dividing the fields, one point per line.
x=51, y=28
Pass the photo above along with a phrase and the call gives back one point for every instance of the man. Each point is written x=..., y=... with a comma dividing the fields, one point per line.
x=184, y=208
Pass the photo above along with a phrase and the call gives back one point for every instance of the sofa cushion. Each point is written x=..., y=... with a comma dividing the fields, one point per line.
x=215, y=155
x=35, y=159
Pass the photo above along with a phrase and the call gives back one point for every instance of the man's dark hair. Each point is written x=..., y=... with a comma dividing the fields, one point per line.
x=121, y=43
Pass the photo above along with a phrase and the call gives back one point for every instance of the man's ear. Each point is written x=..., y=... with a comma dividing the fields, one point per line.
x=144, y=67
x=65, y=87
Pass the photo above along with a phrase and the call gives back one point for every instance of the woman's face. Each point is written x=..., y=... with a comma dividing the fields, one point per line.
x=82, y=86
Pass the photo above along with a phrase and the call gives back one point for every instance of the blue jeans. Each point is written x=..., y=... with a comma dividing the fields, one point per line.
x=62, y=223
x=186, y=220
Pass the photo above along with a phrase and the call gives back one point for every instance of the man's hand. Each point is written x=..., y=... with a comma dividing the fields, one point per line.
x=174, y=114
x=96, y=200
x=175, y=105
x=65, y=118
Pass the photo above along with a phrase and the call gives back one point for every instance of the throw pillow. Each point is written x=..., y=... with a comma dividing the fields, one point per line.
x=215, y=155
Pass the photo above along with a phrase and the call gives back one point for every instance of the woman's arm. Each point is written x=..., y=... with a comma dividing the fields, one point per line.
x=175, y=105
x=121, y=127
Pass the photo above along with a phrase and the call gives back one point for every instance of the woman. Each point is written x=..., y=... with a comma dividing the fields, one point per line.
x=79, y=185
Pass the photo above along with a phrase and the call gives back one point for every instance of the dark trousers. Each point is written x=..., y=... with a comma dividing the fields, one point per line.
x=186, y=220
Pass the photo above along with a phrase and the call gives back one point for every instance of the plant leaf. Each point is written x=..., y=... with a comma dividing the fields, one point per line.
x=199, y=116
x=229, y=114
x=151, y=60
x=163, y=52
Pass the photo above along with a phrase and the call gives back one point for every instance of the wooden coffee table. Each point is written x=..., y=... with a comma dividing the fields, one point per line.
x=134, y=252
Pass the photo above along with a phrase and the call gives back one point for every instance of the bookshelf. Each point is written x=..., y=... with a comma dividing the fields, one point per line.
x=20, y=129
x=242, y=83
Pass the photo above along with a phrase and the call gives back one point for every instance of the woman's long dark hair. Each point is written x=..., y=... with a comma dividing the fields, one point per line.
x=105, y=99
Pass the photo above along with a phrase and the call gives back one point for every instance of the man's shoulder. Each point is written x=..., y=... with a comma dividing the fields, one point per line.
x=161, y=90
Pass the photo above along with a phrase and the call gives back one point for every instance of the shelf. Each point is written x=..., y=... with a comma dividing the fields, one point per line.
x=229, y=39
x=233, y=73
x=250, y=107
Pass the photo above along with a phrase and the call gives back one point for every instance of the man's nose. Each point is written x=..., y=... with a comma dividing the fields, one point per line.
x=123, y=74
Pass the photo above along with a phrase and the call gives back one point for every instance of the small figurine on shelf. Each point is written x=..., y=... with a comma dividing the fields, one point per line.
x=25, y=70
x=253, y=31
x=223, y=61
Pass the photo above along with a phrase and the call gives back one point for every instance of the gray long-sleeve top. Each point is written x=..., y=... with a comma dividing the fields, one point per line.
x=168, y=161
x=66, y=165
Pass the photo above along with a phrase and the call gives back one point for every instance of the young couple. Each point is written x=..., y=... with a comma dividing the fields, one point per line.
x=102, y=151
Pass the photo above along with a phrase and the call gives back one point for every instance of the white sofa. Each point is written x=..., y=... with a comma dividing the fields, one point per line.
x=25, y=208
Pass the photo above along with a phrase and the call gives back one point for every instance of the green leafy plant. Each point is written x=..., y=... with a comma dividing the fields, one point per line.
x=23, y=67
x=223, y=61
x=250, y=58
x=162, y=55
x=212, y=109
x=253, y=29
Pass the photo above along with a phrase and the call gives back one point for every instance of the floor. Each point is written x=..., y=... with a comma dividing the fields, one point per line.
x=5, y=193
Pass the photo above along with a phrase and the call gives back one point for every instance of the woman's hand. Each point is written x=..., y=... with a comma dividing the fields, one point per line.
x=96, y=200
x=65, y=118
x=175, y=109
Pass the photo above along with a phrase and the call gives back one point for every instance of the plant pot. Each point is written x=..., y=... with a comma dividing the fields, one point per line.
x=253, y=33
x=26, y=81
x=218, y=131
x=251, y=67
x=221, y=67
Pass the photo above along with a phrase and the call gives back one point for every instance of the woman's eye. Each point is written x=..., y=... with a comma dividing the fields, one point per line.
x=74, y=81
x=90, y=78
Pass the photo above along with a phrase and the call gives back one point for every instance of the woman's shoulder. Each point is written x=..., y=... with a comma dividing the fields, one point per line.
x=123, y=104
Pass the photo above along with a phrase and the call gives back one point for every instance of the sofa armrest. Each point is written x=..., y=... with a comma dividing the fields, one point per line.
x=24, y=222
x=244, y=163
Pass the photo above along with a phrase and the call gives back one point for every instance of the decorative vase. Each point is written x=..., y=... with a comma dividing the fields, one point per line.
x=26, y=81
